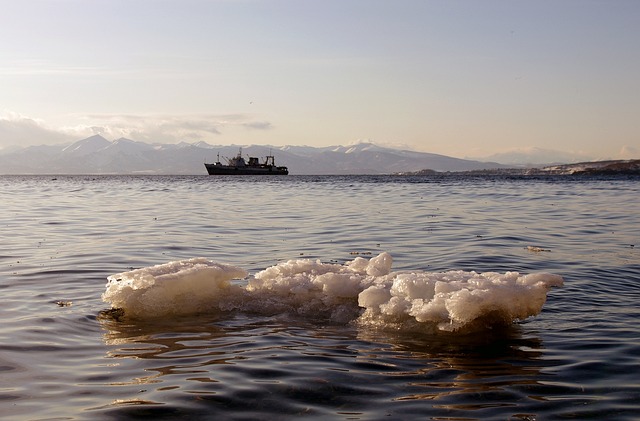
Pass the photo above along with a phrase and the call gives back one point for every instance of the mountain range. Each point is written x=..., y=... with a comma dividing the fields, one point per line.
x=97, y=155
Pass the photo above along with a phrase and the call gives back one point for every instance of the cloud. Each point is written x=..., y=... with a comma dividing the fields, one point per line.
x=258, y=125
x=167, y=129
x=18, y=130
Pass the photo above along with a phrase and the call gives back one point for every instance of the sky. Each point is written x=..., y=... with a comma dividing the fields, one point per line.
x=459, y=78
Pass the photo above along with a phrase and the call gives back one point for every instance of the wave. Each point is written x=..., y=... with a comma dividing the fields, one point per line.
x=362, y=291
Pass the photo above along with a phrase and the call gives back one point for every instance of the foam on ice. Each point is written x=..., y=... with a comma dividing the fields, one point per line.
x=363, y=291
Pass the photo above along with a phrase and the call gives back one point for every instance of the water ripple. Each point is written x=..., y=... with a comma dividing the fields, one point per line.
x=62, y=237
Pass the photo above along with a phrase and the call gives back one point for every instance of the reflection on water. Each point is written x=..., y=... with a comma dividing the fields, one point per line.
x=296, y=367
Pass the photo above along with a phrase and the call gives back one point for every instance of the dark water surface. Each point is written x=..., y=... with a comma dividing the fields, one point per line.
x=63, y=235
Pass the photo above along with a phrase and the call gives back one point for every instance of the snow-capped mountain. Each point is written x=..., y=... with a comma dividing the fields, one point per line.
x=97, y=155
x=87, y=146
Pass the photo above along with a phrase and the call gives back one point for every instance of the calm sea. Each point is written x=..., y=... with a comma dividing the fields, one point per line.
x=63, y=235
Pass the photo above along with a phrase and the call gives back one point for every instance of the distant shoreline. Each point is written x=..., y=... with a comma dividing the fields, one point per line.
x=611, y=167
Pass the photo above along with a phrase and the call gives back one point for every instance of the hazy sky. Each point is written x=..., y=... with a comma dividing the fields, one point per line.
x=461, y=78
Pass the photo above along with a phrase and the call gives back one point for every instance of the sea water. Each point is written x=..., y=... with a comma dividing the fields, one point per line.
x=370, y=297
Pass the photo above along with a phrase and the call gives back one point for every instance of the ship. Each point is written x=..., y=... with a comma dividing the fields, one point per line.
x=238, y=166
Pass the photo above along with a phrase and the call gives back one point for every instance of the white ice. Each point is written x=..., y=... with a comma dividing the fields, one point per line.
x=361, y=291
x=183, y=287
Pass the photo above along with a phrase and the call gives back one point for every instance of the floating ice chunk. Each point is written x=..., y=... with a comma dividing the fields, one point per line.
x=362, y=291
x=305, y=276
x=174, y=288
x=374, y=297
x=456, y=299
x=380, y=265
x=313, y=288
